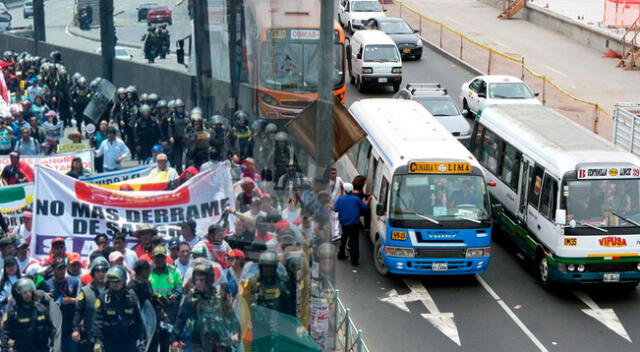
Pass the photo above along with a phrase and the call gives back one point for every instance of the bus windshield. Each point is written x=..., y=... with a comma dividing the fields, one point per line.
x=603, y=202
x=294, y=66
x=439, y=197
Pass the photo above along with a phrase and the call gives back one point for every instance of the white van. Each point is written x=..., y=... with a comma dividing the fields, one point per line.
x=374, y=60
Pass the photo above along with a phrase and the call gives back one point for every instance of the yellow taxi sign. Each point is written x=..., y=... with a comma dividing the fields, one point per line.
x=439, y=168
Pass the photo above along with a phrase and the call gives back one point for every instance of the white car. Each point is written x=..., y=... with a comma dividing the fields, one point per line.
x=121, y=53
x=494, y=90
x=353, y=14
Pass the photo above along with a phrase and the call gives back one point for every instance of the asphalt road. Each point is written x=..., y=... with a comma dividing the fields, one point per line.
x=59, y=30
x=508, y=311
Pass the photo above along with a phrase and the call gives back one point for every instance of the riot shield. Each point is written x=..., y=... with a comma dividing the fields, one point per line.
x=55, y=314
x=100, y=100
x=149, y=321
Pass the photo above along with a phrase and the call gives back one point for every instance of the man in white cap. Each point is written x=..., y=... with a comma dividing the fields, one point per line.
x=349, y=208
x=163, y=166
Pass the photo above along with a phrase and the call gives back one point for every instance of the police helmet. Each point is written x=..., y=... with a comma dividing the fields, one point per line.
x=153, y=98
x=132, y=90
x=99, y=263
x=268, y=258
x=216, y=120
x=240, y=115
x=179, y=103
x=22, y=285
x=121, y=90
x=271, y=128
x=161, y=103
x=204, y=267
x=116, y=273
x=94, y=83
x=55, y=56
x=76, y=76
x=171, y=104
x=62, y=71
x=145, y=109
x=281, y=136
x=144, y=97
x=82, y=81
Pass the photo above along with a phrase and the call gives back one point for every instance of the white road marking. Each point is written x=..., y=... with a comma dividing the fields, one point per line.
x=441, y=321
x=511, y=314
x=606, y=316
x=554, y=70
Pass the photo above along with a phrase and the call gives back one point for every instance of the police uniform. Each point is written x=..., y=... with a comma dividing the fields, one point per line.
x=29, y=326
x=118, y=324
x=80, y=99
x=84, y=316
x=147, y=134
x=178, y=126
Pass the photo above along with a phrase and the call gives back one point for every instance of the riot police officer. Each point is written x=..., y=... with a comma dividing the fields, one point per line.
x=129, y=118
x=270, y=289
x=284, y=155
x=219, y=136
x=119, y=107
x=242, y=136
x=26, y=325
x=85, y=304
x=118, y=324
x=151, y=42
x=163, y=40
x=147, y=133
x=79, y=100
x=266, y=150
x=178, y=126
x=198, y=138
x=206, y=321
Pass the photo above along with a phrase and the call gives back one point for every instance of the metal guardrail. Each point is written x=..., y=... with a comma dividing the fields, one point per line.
x=626, y=126
x=348, y=338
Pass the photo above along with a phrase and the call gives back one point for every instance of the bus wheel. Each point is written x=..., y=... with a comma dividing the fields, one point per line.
x=381, y=267
x=542, y=271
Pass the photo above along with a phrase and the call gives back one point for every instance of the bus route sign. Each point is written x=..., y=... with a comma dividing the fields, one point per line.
x=439, y=168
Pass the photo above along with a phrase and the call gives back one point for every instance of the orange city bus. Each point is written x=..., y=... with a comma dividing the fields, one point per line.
x=283, y=49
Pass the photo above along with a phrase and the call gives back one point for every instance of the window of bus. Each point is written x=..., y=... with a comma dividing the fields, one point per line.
x=535, y=187
x=439, y=197
x=477, y=143
x=510, y=166
x=295, y=66
x=491, y=146
x=384, y=192
x=603, y=202
x=548, y=197
x=364, y=150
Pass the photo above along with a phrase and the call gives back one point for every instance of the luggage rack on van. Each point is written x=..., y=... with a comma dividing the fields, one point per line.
x=426, y=88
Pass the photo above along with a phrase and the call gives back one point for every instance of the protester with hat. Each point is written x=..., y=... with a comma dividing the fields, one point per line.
x=58, y=249
x=144, y=234
x=74, y=267
x=7, y=249
x=64, y=290
x=166, y=282
x=174, y=249
x=349, y=208
x=84, y=315
x=23, y=256
x=236, y=260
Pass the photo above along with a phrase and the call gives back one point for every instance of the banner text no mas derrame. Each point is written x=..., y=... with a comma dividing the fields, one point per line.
x=88, y=219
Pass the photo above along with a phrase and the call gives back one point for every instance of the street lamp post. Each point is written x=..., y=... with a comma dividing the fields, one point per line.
x=107, y=38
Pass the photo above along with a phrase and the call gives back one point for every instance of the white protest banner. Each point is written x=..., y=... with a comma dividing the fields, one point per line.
x=77, y=211
x=58, y=162
x=13, y=199
x=108, y=178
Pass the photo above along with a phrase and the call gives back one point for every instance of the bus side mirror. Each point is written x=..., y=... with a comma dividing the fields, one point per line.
x=380, y=209
x=561, y=217
x=359, y=56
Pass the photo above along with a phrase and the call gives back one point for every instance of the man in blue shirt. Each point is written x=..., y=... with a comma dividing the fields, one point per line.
x=114, y=151
x=349, y=208
x=64, y=290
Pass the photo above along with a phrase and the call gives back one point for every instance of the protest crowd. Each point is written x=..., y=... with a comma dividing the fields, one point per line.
x=227, y=285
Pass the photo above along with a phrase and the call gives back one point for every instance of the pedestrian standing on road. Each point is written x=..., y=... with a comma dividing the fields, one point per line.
x=336, y=190
x=349, y=208
x=114, y=151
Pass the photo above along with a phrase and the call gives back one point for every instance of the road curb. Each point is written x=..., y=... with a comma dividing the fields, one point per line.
x=452, y=58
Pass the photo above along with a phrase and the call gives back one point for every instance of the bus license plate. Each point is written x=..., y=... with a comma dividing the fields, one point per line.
x=611, y=277
x=440, y=267
x=382, y=80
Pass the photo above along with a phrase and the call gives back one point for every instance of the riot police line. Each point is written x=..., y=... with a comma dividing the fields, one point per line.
x=234, y=288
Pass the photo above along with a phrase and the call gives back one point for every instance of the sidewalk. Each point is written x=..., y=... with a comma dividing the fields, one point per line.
x=578, y=69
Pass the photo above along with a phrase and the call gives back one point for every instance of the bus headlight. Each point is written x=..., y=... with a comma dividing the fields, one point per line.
x=400, y=252
x=367, y=70
x=396, y=70
x=269, y=99
x=478, y=252
x=571, y=267
x=581, y=268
